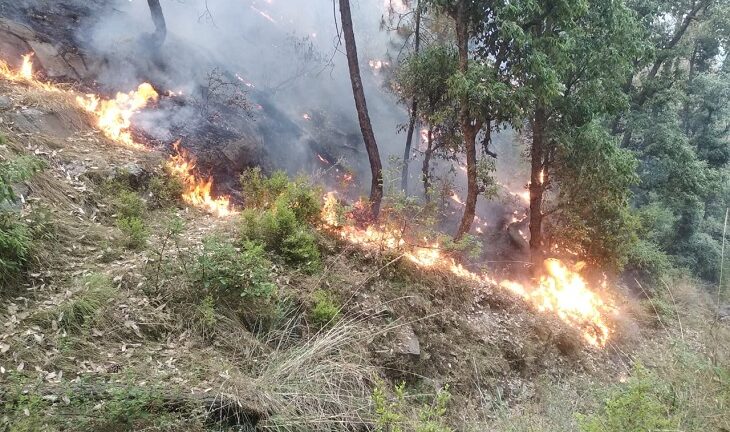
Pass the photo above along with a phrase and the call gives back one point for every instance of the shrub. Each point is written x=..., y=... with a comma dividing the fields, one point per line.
x=637, y=406
x=260, y=191
x=165, y=190
x=15, y=171
x=134, y=231
x=395, y=414
x=240, y=278
x=15, y=246
x=15, y=236
x=128, y=204
x=646, y=258
x=279, y=215
x=206, y=314
x=325, y=310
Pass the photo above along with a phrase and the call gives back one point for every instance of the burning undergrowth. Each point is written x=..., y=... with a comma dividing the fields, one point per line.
x=560, y=289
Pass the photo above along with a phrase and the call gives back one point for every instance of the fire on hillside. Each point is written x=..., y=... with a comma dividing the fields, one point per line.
x=560, y=290
x=114, y=118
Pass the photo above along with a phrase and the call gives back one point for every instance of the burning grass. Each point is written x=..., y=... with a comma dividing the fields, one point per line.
x=560, y=290
x=114, y=116
x=197, y=191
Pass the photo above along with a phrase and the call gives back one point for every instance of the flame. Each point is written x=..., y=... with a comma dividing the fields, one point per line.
x=377, y=65
x=197, y=191
x=542, y=176
x=565, y=293
x=114, y=116
x=25, y=74
x=561, y=291
x=26, y=70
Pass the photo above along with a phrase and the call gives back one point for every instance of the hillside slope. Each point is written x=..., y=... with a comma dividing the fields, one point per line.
x=124, y=319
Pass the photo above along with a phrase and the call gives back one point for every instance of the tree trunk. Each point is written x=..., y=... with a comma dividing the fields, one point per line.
x=538, y=152
x=376, y=167
x=468, y=129
x=159, y=19
x=426, y=169
x=414, y=109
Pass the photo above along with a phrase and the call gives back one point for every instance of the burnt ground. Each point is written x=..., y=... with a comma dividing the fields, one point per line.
x=226, y=124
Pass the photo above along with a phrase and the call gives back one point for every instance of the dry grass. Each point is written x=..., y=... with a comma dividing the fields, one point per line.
x=322, y=384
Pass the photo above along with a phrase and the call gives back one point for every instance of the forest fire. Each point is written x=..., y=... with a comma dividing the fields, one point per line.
x=563, y=291
x=560, y=290
x=25, y=74
x=197, y=191
x=114, y=116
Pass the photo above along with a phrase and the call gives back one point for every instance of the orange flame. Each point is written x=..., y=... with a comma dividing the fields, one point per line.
x=561, y=291
x=25, y=74
x=197, y=191
x=564, y=292
x=114, y=116
x=26, y=70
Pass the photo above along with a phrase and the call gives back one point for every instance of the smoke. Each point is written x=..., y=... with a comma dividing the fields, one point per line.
x=284, y=53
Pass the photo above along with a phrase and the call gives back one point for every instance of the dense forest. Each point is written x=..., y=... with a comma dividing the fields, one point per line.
x=392, y=216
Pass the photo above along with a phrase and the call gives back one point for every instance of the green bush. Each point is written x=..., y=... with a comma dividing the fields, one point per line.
x=15, y=247
x=15, y=236
x=394, y=414
x=239, y=278
x=260, y=191
x=165, y=190
x=15, y=171
x=325, y=310
x=278, y=216
x=637, y=406
x=647, y=259
x=128, y=204
x=134, y=231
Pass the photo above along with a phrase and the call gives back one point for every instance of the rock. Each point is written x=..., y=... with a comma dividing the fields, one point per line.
x=31, y=120
x=724, y=312
x=5, y=103
x=406, y=341
x=17, y=39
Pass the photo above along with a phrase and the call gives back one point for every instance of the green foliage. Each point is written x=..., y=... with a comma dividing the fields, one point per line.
x=260, y=191
x=134, y=232
x=206, y=313
x=239, y=278
x=637, y=406
x=280, y=217
x=165, y=190
x=648, y=259
x=16, y=237
x=15, y=247
x=128, y=204
x=325, y=310
x=124, y=407
x=17, y=170
x=396, y=415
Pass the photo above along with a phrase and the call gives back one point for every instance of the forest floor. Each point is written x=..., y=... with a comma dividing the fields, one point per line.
x=106, y=335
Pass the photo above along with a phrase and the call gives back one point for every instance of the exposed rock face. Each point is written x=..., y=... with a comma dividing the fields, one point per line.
x=406, y=341
x=26, y=27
